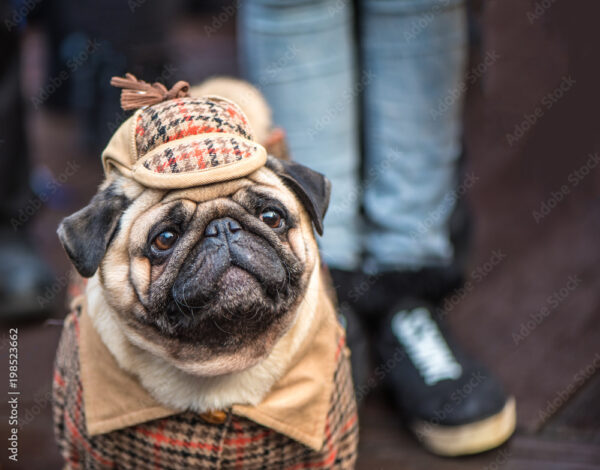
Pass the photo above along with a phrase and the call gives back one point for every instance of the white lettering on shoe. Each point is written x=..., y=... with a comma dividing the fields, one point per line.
x=425, y=345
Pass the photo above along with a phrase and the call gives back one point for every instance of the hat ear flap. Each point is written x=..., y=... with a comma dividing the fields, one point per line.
x=312, y=188
x=86, y=234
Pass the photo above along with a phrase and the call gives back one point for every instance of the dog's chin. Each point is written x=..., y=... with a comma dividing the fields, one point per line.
x=240, y=314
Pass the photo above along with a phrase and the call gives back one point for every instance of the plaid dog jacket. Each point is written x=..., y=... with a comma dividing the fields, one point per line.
x=187, y=440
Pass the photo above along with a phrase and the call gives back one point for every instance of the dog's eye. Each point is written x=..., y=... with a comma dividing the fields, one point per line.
x=165, y=240
x=272, y=218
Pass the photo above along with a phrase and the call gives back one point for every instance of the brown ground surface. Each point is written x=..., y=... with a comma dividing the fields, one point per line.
x=552, y=369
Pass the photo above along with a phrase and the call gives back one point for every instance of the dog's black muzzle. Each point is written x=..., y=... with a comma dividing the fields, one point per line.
x=227, y=249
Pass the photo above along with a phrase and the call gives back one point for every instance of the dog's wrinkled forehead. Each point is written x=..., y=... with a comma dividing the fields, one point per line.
x=265, y=179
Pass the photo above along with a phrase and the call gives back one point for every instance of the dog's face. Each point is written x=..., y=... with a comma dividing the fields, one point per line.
x=208, y=278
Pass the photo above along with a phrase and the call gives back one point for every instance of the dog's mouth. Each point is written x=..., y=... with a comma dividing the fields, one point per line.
x=237, y=278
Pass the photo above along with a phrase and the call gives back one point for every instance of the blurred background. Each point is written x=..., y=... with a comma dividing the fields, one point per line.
x=530, y=305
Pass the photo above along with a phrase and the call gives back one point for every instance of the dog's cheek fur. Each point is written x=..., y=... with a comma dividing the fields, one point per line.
x=140, y=274
x=115, y=269
x=296, y=242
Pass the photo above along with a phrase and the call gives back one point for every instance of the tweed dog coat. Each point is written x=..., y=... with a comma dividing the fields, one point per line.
x=105, y=419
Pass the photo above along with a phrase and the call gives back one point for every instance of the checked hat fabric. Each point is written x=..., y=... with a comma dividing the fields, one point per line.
x=184, y=142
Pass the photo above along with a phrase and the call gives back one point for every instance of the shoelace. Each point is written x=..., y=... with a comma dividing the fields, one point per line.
x=425, y=345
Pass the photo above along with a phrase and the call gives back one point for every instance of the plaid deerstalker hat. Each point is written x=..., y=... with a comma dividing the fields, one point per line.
x=181, y=141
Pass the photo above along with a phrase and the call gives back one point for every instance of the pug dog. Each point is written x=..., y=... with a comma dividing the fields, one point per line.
x=206, y=336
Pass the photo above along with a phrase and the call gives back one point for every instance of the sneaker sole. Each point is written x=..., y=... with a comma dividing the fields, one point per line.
x=472, y=438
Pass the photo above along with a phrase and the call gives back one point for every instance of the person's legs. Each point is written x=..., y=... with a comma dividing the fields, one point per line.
x=416, y=52
x=300, y=54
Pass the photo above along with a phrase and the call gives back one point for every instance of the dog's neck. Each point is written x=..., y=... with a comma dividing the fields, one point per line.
x=177, y=389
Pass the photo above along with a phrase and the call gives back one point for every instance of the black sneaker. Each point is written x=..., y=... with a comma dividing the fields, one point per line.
x=452, y=404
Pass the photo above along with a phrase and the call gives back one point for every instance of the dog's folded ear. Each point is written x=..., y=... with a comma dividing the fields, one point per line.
x=85, y=235
x=311, y=187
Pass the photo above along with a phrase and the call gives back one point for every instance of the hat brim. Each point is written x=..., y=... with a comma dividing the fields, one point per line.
x=198, y=160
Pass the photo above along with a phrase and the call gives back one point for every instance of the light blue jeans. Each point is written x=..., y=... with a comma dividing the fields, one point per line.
x=407, y=93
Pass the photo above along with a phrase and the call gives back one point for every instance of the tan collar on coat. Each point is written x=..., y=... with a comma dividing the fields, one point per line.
x=296, y=406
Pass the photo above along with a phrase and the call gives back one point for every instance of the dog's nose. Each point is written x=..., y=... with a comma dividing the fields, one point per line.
x=221, y=227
